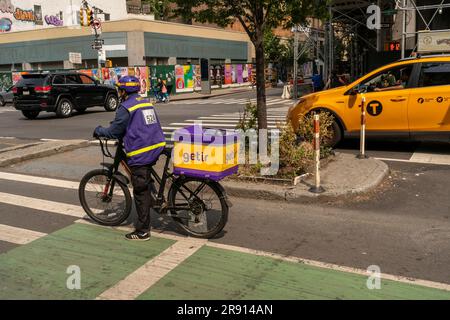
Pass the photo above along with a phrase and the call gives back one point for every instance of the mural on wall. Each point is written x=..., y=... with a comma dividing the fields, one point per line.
x=18, y=19
x=166, y=74
x=197, y=77
x=6, y=6
x=142, y=74
x=54, y=21
x=228, y=74
x=5, y=24
x=184, y=78
x=24, y=15
x=5, y=81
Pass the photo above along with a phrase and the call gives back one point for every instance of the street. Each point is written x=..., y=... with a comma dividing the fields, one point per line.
x=403, y=226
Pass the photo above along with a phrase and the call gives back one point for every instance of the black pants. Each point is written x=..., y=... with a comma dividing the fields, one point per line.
x=142, y=184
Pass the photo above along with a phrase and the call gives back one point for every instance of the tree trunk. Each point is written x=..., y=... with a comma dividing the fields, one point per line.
x=261, y=86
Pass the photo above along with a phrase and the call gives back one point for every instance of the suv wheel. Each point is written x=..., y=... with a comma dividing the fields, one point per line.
x=30, y=114
x=65, y=108
x=112, y=102
x=2, y=102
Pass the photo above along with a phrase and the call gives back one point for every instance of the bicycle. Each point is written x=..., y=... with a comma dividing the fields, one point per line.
x=105, y=196
x=158, y=96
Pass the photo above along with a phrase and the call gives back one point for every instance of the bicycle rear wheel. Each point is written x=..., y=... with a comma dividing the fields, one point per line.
x=105, y=200
x=198, y=206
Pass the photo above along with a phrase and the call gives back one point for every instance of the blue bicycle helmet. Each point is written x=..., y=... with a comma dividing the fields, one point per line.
x=129, y=84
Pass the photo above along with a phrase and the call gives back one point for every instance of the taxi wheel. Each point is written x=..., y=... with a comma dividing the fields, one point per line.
x=336, y=135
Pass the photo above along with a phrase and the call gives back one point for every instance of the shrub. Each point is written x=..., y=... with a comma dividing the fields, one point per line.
x=249, y=118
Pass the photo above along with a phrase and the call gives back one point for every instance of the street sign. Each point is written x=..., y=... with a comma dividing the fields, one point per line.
x=75, y=57
x=115, y=47
x=102, y=55
x=97, y=24
x=433, y=41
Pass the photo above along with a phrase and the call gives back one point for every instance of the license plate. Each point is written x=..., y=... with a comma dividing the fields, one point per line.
x=26, y=93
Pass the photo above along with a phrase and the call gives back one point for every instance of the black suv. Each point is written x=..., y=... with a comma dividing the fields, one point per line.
x=61, y=93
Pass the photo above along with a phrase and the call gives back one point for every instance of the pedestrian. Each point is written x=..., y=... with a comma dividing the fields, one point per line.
x=317, y=82
x=334, y=81
x=137, y=125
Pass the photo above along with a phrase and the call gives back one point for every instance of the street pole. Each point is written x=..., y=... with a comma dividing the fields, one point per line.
x=403, y=28
x=295, y=62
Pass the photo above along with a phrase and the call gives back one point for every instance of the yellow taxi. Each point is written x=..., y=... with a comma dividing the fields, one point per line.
x=409, y=98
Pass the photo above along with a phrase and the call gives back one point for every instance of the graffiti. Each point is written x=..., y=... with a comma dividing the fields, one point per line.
x=5, y=81
x=54, y=21
x=24, y=15
x=5, y=25
x=6, y=6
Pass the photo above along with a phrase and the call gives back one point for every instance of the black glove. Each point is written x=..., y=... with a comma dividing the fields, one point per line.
x=95, y=134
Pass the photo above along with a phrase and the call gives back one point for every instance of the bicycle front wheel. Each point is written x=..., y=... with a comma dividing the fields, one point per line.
x=198, y=206
x=104, y=199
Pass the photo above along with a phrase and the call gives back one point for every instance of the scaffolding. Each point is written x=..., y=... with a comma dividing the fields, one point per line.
x=347, y=23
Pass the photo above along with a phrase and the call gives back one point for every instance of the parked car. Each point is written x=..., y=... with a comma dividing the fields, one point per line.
x=62, y=93
x=409, y=98
x=6, y=96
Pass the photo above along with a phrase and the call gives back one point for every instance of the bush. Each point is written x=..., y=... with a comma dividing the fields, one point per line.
x=249, y=118
x=296, y=146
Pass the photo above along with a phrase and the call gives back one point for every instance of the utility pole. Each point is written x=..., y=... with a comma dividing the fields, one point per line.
x=98, y=42
x=403, y=44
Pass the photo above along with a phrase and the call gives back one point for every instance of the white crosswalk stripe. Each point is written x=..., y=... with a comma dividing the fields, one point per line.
x=6, y=109
x=275, y=116
x=227, y=101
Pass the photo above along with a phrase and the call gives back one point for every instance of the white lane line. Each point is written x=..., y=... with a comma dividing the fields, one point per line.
x=18, y=235
x=212, y=125
x=227, y=121
x=434, y=158
x=409, y=280
x=411, y=161
x=42, y=205
x=237, y=118
x=39, y=180
x=154, y=270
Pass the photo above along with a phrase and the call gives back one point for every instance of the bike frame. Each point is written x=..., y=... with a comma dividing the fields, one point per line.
x=160, y=203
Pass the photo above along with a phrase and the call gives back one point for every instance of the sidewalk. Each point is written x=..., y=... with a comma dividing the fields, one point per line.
x=344, y=175
x=214, y=93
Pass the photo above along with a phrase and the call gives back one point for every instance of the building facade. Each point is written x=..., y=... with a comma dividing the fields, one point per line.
x=38, y=34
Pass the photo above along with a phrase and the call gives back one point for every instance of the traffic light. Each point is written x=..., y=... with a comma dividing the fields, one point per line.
x=81, y=17
x=108, y=64
x=90, y=17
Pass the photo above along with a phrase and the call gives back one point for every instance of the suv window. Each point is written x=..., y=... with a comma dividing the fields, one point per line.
x=434, y=74
x=32, y=80
x=72, y=79
x=86, y=80
x=59, y=79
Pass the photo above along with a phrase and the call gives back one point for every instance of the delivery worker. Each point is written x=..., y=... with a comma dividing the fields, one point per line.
x=138, y=125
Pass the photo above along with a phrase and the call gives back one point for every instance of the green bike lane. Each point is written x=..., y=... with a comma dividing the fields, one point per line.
x=108, y=264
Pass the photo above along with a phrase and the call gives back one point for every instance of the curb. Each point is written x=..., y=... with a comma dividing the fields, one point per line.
x=295, y=195
x=40, y=150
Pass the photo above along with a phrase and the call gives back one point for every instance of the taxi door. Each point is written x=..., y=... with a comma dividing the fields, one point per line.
x=429, y=104
x=386, y=111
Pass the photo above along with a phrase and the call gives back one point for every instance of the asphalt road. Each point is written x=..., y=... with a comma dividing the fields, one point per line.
x=403, y=226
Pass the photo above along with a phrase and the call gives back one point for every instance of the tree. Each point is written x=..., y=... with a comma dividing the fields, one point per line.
x=255, y=16
x=274, y=50
x=161, y=8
